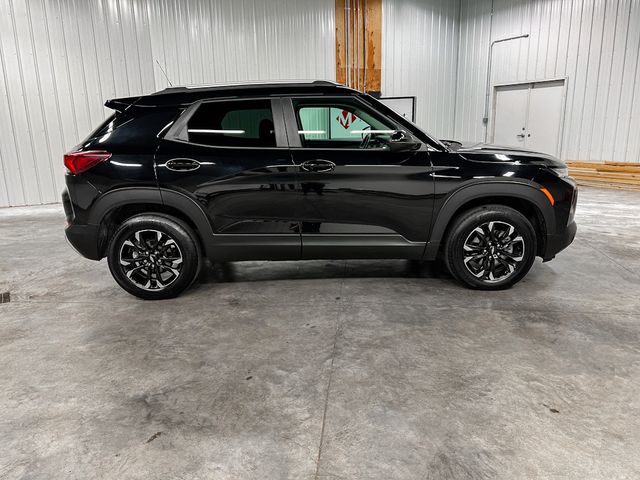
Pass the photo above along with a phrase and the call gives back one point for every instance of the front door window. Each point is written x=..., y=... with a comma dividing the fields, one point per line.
x=340, y=125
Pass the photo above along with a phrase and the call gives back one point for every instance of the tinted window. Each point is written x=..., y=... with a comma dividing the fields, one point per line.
x=137, y=128
x=233, y=124
x=340, y=124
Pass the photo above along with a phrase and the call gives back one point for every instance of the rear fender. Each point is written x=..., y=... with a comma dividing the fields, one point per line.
x=161, y=197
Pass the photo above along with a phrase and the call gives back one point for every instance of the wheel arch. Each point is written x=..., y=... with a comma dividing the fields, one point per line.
x=115, y=207
x=526, y=198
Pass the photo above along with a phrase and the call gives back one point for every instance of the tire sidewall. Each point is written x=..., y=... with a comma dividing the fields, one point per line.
x=178, y=231
x=476, y=217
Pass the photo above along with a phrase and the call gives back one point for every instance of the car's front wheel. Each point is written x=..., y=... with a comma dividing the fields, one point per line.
x=154, y=256
x=490, y=247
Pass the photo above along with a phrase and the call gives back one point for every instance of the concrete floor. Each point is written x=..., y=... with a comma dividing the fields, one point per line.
x=324, y=369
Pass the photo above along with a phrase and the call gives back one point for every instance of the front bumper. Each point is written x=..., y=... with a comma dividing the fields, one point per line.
x=557, y=243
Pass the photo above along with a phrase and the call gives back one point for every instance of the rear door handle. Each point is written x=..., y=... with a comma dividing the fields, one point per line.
x=317, y=166
x=182, y=164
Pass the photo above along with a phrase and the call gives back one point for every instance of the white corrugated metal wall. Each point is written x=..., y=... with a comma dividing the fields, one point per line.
x=419, y=58
x=594, y=44
x=61, y=59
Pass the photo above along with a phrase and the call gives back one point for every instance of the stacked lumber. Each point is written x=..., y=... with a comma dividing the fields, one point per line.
x=608, y=174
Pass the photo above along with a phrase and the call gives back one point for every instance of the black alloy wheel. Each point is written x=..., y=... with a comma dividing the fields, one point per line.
x=151, y=259
x=154, y=256
x=490, y=247
x=493, y=251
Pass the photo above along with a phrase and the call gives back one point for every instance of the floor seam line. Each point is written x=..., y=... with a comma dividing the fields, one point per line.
x=333, y=357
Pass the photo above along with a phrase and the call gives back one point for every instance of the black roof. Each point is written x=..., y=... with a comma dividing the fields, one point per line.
x=186, y=95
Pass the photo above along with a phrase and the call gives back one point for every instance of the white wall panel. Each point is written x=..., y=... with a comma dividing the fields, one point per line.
x=61, y=59
x=419, y=54
x=474, y=37
x=594, y=44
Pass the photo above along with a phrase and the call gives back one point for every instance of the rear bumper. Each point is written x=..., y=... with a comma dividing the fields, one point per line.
x=84, y=239
x=557, y=243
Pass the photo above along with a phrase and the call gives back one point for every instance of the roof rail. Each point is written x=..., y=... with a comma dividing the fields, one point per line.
x=326, y=82
x=254, y=82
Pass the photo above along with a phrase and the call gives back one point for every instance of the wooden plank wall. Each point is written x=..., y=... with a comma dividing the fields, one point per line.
x=608, y=174
x=358, y=63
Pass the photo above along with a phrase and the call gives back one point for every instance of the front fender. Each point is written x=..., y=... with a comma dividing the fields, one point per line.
x=455, y=201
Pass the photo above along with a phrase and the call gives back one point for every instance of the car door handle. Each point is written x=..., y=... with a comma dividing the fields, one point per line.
x=317, y=166
x=182, y=164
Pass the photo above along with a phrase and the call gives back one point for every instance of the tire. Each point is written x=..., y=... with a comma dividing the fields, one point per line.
x=491, y=247
x=154, y=256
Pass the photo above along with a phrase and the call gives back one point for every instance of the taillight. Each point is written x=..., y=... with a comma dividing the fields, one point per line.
x=78, y=162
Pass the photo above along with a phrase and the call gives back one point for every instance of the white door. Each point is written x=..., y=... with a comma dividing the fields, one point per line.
x=529, y=115
x=545, y=116
x=510, y=119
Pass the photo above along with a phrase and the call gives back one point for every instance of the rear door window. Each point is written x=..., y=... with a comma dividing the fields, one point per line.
x=246, y=123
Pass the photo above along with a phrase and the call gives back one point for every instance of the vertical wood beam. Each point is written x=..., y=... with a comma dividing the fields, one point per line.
x=362, y=57
x=341, y=57
x=374, y=46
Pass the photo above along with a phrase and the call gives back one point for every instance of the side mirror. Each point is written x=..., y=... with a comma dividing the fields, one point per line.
x=400, y=141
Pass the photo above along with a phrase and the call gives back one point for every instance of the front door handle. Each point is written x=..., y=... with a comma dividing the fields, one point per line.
x=182, y=164
x=317, y=166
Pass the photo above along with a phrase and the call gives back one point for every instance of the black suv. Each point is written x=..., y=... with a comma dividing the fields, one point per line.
x=302, y=171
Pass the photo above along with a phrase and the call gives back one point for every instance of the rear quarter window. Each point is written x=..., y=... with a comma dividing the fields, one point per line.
x=103, y=127
x=138, y=127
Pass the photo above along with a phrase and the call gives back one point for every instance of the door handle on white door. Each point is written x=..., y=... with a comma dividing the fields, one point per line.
x=521, y=135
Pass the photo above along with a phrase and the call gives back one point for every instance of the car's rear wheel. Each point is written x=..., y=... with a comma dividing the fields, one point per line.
x=490, y=247
x=154, y=256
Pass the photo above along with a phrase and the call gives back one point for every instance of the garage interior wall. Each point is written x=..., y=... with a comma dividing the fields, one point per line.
x=594, y=44
x=61, y=59
x=419, y=58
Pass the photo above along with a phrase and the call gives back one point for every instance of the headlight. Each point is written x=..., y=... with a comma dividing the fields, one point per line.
x=562, y=172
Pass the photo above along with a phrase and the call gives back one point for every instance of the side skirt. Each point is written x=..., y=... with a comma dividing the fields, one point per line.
x=360, y=246
x=290, y=247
